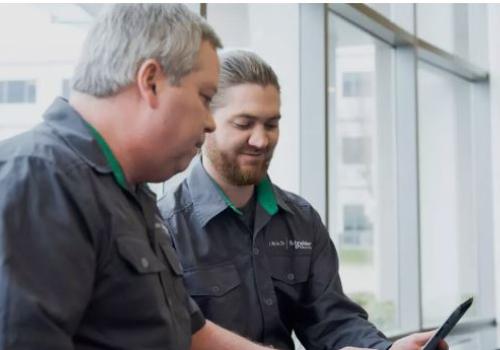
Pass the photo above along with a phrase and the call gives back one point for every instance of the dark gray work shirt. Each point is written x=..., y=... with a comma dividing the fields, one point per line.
x=85, y=263
x=262, y=284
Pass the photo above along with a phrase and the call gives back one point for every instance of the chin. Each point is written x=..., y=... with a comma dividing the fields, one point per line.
x=184, y=163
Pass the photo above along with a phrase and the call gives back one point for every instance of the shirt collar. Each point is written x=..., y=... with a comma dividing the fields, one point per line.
x=110, y=158
x=209, y=199
x=83, y=139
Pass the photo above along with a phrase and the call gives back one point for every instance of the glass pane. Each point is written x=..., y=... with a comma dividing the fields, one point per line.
x=31, y=92
x=66, y=88
x=255, y=27
x=16, y=91
x=400, y=14
x=460, y=29
x=478, y=35
x=39, y=45
x=436, y=24
x=448, y=234
x=362, y=163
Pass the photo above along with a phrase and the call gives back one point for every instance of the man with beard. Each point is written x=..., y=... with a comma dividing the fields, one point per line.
x=258, y=259
x=85, y=261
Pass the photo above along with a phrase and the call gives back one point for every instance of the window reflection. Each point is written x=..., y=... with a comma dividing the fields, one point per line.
x=39, y=46
x=362, y=203
x=448, y=233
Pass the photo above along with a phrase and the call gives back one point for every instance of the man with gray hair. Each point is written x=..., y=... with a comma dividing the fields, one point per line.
x=257, y=259
x=86, y=262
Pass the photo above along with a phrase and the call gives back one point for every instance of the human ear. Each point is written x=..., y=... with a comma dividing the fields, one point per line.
x=148, y=77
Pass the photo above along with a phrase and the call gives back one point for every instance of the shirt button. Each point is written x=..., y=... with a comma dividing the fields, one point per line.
x=290, y=276
x=269, y=302
x=256, y=251
x=144, y=263
x=215, y=289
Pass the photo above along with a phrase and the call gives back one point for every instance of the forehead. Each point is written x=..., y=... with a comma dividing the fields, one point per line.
x=206, y=68
x=253, y=99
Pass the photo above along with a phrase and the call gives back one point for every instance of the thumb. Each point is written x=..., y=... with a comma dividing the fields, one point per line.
x=422, y=338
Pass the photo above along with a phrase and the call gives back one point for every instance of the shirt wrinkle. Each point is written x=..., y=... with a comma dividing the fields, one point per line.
x=287, y=271
x=61, y=221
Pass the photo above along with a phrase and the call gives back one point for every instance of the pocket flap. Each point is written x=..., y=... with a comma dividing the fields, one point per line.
x=215, y=281
x=291, y=270
x=139, y=255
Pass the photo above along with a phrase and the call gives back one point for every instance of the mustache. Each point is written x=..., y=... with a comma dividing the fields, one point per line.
x=268, y=153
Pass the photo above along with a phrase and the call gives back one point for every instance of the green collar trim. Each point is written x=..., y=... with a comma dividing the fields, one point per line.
x=265, y=197
x=110, y=158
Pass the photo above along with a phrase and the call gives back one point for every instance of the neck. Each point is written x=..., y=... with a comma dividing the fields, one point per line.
x=109, y=116
x=239, y=195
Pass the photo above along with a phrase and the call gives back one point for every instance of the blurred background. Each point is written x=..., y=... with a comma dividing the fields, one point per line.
x=390, y=128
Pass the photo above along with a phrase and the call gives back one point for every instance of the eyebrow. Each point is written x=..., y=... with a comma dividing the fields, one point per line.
x=254, y=117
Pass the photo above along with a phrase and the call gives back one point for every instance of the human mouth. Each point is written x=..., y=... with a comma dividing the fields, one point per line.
x=253, y=157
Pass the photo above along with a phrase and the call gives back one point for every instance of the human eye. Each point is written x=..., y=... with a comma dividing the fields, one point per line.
x=207, y=99
x=242, y=124
x=271, y=125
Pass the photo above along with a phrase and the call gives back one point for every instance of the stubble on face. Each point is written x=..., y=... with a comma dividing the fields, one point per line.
x=228, y=167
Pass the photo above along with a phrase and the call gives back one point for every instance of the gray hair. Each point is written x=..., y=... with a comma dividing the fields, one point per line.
x=125, y=35
x=242, y=67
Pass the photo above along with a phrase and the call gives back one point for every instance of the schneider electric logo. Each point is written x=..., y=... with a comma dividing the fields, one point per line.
x=298, y=245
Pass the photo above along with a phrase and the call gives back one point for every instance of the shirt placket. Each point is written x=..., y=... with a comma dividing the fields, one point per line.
x=155, y=228
x=263, y=280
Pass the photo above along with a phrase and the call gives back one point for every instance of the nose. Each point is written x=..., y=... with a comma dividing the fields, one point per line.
x=209, y=123
x=259, y=138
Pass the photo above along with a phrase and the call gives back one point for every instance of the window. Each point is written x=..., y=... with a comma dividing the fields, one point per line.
x=17, y=91
x=456, y=28
x=356, y=150
x=401, y=14
x=66, y=88
x=362, y=162
x=449, y=241
x=357, y=228
x=357, y=84
x=39, y=44
x=254, y=27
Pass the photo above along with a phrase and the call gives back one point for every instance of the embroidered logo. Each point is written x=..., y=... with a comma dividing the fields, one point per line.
x=292, y=244
x=300, y=244
x=277, y=243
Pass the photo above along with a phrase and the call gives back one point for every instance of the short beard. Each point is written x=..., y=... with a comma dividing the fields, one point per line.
x=231, y=171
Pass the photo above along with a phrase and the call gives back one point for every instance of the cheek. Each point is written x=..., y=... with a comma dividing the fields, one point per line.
x=273, y=139
x=186, y=121
x=184, y=107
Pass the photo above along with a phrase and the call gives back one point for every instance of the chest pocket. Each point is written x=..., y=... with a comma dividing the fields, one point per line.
x=216, y=281
x=218, y=293
x=290, y=269
x=139, y=256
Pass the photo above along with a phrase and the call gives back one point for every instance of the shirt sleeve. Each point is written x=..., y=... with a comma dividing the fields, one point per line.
x=47, y=258
x=328, y=319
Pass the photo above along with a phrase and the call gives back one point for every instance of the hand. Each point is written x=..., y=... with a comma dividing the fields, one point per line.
x=416, y=341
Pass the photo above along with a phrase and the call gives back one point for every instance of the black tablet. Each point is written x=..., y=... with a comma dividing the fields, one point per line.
x=448, y=325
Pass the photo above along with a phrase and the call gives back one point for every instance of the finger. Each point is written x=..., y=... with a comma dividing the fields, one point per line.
x=442, y=345
x=422, y=338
